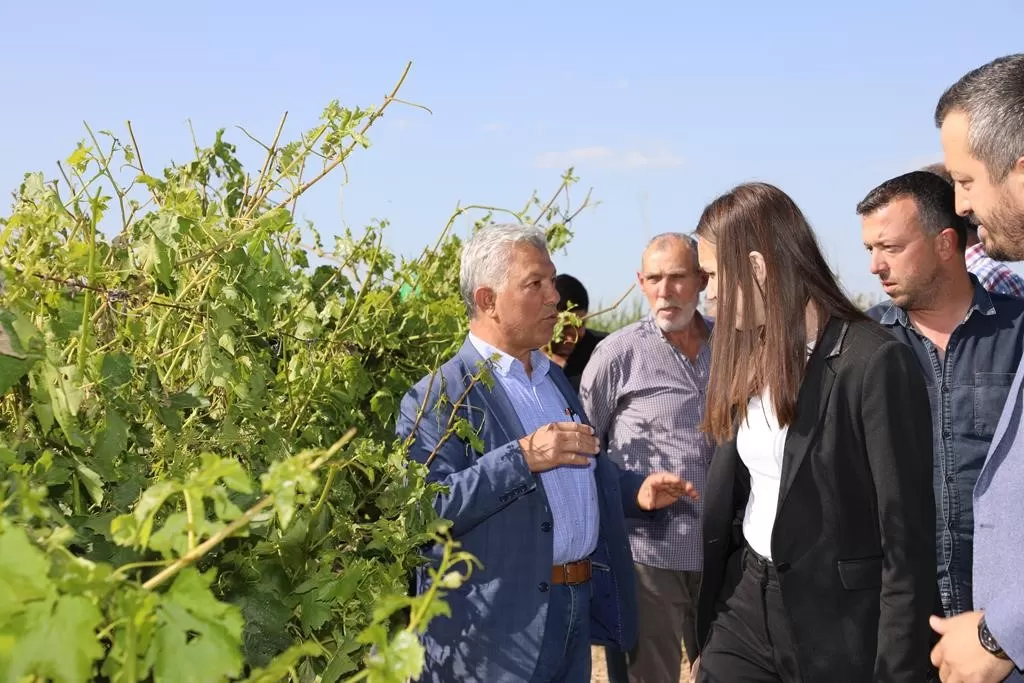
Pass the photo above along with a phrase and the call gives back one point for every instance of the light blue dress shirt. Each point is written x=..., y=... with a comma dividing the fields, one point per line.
x=571, y=490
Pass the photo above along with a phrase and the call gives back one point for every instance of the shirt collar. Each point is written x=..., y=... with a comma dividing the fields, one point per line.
x=982, y=304
x=506, y=364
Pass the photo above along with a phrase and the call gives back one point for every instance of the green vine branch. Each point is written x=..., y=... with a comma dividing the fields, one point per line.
x=209, y=544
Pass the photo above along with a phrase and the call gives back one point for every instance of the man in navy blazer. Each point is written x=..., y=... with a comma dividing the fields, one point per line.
x=536, y=504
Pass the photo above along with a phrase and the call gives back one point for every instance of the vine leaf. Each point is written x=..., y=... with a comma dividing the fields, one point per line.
x=34, y=619
x=199, y=638
x=57, y=640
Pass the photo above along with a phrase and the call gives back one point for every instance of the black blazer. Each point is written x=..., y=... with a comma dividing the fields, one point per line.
x=853, y=542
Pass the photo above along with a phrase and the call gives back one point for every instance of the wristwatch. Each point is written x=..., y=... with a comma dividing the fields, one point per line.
x=988, y=641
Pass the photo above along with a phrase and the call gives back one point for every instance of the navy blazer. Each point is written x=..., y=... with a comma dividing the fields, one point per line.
x=501, y=515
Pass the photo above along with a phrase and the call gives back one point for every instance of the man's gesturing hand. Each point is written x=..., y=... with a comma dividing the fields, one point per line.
x=661, y=489
x=559, y=443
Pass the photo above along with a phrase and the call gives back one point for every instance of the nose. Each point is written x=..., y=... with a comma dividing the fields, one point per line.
x=711, y=291
x=877, y=262
x=552, y=296
x=963, y=204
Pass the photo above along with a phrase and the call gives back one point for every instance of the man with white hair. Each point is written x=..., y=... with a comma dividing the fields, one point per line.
x=644, y=392
x=981, y=123
x=529, y=495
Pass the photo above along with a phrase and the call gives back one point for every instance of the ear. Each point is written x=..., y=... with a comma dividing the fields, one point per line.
x=757, y=265
x=484, y=298
x=703, y=281
x=947, y=240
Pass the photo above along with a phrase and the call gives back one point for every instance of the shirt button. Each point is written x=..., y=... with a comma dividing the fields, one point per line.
x=546, y=526
x=543, y=586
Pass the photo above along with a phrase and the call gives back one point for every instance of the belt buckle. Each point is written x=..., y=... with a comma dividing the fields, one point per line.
x=567, y=573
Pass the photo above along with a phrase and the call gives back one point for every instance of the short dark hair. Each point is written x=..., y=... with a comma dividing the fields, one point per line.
x=571, y=289
x=992, y=98
x=940, y=170
x=934, y=197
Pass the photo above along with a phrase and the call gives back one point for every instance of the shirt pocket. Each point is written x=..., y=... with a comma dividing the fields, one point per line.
x=990, y=392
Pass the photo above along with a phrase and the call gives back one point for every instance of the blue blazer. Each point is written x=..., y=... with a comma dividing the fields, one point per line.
x=999, y=534
x=501, y=515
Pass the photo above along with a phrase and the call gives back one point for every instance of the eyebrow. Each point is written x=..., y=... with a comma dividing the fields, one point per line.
x=886, y=242
x=536, y=275
x=673, y=271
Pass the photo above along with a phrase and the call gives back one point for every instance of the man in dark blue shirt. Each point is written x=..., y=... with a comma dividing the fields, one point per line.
x=968, y=341
x=573, y=351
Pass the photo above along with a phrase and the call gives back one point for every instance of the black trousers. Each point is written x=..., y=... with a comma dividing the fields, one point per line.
x=750, y=640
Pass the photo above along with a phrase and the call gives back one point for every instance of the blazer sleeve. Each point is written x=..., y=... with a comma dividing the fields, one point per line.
x=1005, y=619
x=898, y=436
x=629, y=485
x=476, y=486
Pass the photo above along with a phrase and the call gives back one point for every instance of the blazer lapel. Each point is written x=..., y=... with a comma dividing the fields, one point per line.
x=811, y=404
x=494, y=397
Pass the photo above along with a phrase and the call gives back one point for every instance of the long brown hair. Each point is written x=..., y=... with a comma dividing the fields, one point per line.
x=745, y=358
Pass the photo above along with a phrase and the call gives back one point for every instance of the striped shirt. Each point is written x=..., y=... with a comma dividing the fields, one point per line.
x=645, y=400
x=993, y=275
x=571, y=491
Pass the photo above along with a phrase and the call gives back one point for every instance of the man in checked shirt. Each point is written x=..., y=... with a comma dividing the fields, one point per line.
x=644, y=391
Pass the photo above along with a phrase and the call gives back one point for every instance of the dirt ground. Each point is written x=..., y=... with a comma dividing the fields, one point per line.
x=598, y=673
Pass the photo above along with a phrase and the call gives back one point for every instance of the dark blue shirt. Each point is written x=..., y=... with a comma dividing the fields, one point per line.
x=967, y=388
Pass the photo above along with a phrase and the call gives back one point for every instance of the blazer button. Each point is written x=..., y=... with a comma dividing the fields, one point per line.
x=546, y=526
x=782, y=567
x=543, y=586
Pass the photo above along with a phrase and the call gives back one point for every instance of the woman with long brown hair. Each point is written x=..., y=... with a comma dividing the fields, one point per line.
x=819, y=559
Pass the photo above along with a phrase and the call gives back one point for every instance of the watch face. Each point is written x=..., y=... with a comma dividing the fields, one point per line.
x=988, y=641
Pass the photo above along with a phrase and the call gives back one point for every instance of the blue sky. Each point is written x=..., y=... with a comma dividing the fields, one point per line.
x=660, y=106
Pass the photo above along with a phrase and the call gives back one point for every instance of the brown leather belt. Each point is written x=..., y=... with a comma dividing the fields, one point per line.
x=571, y=574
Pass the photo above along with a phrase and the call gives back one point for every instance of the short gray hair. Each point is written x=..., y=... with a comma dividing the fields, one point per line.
x=658, y=241
x=992, y=98
x=486, y=256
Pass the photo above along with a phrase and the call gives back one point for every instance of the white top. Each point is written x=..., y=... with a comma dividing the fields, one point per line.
x=761, y=443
